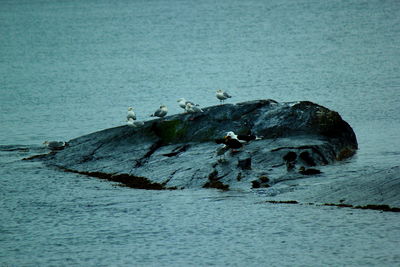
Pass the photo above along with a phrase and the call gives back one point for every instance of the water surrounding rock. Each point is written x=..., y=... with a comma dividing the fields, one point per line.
x=179, y=151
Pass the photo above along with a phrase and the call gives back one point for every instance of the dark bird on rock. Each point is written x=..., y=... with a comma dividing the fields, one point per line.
x=229, y=142
x=233, y=142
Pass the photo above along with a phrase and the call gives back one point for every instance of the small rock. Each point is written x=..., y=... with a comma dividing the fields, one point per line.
x=244, y=163
x=255, y=184
x=217, y=185
x=309, y=171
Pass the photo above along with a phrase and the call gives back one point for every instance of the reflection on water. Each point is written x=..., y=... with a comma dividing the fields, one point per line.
x=55, y=218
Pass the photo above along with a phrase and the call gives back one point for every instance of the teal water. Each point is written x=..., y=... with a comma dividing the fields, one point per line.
x=68, y=68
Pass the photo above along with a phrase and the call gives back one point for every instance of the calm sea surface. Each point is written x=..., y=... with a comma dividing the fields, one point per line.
x=69, y=68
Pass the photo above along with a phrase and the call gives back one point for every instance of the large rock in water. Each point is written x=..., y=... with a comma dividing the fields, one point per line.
x=179, y=151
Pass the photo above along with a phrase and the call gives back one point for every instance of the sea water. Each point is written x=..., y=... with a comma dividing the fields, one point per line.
x=69, y=68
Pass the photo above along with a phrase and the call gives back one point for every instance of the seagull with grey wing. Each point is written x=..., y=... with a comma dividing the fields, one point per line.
x=182, y=102
x=234, y=142
x=131, y=114
x=161, y=112
x=55, y=145
x=191, y=108
x=221, y=95
x=243, y=138
x=133, y=123
x=131, y=119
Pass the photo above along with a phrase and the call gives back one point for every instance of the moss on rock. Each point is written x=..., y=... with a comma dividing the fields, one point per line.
x=170, y=131
x=345, y=153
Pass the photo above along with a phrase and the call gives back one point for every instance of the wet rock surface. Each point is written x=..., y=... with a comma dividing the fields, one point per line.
x=179, y=151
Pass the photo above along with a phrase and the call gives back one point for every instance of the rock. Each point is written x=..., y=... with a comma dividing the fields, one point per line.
x=216, y=184
x=244, y=162
x=306, y=158
x=309, y=171
x=261, y=182
x=364, y=189
x=255, y=184
x=179, y=151
x=290, y=156
x=263, y=179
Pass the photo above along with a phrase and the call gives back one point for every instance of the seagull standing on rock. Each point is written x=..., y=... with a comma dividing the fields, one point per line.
x=161, y=112
x=242, y=137
x=234, y=142
x=55, y=145
x=132, y=123
x=229, y=143
x=131, y=114
x=221, y=95
x=182, y=102
x=190, y=108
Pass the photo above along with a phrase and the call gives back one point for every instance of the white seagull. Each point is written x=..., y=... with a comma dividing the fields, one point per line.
x=161, y=112
x=131, y=114
x=221, y=95
x=182, y=102
x=55, y=145
x=190, y=108
x=243, y=138
x=132, y=123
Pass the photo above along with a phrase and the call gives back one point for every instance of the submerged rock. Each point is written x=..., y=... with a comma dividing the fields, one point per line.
x=179, y=151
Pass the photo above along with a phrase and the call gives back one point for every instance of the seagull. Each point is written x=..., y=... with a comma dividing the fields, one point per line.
x=233, y=142
x=229, y=142
x=191, y=108
x=132, y=123
x=55, y=145
x=131, y=114
x=182, y=102
x=221, y=95
x=161, y=112
x=243, y=138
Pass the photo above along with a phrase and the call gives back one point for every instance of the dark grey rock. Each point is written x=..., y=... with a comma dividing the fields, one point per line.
x=179, y=151
x=244, y=162
x=363, y=188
